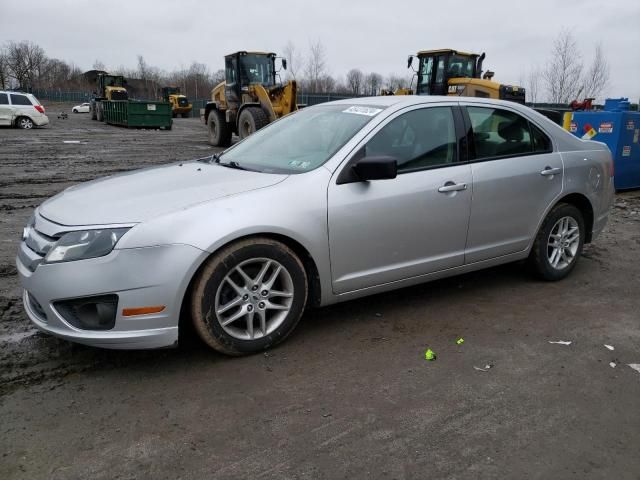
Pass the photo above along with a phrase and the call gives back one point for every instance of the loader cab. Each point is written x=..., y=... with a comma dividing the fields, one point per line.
x=437, y=67
x=243, y=69
x=112, y=87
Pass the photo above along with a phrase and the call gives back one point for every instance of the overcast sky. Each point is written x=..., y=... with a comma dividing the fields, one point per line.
x=370, y=35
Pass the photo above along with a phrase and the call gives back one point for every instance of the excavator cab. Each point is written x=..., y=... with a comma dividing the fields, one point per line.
x=451, y=72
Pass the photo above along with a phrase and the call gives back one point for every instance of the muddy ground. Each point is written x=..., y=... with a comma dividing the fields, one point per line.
x=349, y=395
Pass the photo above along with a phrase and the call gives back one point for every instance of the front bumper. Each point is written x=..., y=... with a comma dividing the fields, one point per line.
x=139, y=277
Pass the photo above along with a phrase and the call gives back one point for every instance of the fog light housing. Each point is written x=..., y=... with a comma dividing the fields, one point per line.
x=89, y=313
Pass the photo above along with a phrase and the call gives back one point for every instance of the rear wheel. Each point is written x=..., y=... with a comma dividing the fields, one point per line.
x=251, y=120
x=99, y=112
x=185, y=115
x=75, y=110
x=559, y=243
x=24, y=122
x=249, y=296
x=219, y=129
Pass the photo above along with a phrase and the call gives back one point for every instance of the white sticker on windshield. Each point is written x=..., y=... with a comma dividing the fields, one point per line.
x=359, y=110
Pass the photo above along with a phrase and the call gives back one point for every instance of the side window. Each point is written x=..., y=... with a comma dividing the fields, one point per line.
x=541, y=142
x=230, y=66
x=20, y=99
x=4, y=99
x=498, y=133
x=417, y=139
x=440, y=70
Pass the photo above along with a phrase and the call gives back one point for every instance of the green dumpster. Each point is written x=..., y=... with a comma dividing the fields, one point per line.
x=138, y=113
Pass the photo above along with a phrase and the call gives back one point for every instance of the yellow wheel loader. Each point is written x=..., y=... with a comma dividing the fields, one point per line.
x=179, y=103
x=451, y=72
x=108, y=87
x=249, y=98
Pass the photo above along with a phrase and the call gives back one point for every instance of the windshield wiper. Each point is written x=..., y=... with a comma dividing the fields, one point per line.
x=232, y=164
x=214, y=157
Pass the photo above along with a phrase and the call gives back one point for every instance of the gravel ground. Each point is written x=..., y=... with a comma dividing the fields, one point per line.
x=349, y=395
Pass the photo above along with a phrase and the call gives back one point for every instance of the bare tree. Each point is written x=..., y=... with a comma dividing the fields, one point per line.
x=395, y=82
x=25, y=62
x=294, y=59
x=4, y=70
x=533, y=84
x=597, y=76
x=218, y=76
x=373, y=82
x=355, y=81
x=98, y=65
x=563, y=72
x=316, y=65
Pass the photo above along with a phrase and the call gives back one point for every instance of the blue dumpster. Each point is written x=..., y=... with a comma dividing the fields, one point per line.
x=619, y=129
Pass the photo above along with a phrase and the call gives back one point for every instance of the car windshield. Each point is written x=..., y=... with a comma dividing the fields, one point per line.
x=302, y=141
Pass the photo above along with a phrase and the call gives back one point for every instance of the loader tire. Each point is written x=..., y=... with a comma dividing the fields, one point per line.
x=251, y=120
x=99, y=113
x=219, y=129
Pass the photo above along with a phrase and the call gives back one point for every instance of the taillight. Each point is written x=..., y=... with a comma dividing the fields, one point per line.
x=40, y=108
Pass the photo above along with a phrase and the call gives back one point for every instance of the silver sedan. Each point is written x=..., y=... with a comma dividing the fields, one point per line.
x=334, y=202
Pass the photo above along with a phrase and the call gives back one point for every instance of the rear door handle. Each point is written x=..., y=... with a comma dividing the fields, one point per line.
x=550, y=171
x=452, y=187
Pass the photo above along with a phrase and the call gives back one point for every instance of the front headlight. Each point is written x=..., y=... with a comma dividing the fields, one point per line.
x=84, y=244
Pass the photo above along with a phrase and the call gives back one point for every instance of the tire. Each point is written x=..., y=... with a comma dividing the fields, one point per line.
x=74, y=110
x=24, y=123
x=219, y=129
x=185, y=115
x=251, y=120
x=256, y=327
x=99, y=113
x=174, y=114
x=560, y=226
x=92, y=111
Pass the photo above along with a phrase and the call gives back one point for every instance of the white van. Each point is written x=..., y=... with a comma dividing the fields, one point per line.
x=21, y=110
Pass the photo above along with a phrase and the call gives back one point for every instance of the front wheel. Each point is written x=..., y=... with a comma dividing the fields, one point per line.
x=249, y=296
x=559, y=243
x=251, y=120
x=74, y=110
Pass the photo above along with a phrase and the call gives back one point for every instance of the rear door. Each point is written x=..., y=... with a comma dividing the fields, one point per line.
x=516, y=177
x=383, y=231
x=22, y=105
x=5, y=109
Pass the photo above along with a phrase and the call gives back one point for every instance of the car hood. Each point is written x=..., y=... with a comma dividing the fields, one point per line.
x=136, y=196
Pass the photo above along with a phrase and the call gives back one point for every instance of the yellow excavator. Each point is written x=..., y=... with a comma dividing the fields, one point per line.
x=179, y=103
x=250, y=97
x=452, y=72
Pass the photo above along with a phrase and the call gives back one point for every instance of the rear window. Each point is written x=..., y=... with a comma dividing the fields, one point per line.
x=4, y=99
x=20, y=99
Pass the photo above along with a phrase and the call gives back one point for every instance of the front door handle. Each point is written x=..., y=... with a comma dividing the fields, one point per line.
x=550, y=171
x=452, y=187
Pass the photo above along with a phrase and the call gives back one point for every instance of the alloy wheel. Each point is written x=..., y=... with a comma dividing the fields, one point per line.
x=254, y=298
x=563, y=243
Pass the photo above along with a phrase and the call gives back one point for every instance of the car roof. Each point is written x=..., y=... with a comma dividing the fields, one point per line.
x=408, y=100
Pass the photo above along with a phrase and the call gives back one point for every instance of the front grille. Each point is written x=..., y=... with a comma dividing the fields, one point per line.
x=38, y=244
x=36, y=307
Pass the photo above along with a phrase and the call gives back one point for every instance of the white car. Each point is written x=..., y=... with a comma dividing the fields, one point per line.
x=21, y=110
x=83, y=108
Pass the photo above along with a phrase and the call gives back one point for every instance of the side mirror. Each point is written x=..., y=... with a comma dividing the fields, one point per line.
x=409, y=61
x=284, y=63
x=376, y=168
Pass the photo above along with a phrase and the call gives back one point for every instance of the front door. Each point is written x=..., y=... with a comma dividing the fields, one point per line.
x=388, y=230
x=516, y=177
